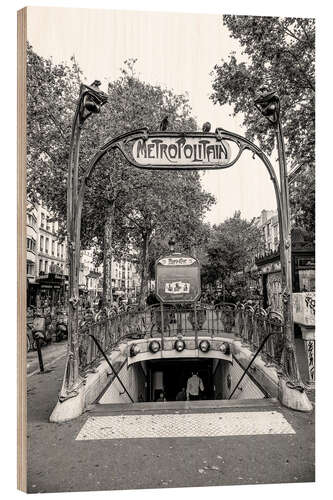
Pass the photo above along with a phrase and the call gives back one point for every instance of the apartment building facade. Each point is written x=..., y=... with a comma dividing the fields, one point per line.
x=46, y=258
x=47, y=265
x=268, y=223
x=269, y=266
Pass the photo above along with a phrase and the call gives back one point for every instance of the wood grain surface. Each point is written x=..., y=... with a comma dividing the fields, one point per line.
x=21, y=252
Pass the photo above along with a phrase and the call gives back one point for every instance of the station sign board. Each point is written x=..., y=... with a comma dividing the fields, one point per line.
x=182, y=152
x=177, y=279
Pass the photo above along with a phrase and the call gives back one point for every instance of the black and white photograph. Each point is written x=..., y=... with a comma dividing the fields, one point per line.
x=168, y=284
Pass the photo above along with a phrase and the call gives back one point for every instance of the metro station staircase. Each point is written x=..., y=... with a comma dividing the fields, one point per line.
x=184, y=406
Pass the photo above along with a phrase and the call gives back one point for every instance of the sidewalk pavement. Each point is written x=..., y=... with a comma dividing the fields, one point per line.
x=51, y=354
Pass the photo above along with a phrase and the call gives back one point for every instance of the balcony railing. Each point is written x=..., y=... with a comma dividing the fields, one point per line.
x=240, y=322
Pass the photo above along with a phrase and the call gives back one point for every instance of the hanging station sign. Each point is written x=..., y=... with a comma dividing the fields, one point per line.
x=177, y=279
x=181, y=151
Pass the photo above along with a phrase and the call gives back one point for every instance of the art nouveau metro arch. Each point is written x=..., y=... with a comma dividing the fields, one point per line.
x=172, y=151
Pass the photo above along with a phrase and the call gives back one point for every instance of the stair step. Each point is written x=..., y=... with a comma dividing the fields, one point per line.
x=108, y=409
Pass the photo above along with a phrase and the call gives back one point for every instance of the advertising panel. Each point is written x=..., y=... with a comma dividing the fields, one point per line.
x=178, y=279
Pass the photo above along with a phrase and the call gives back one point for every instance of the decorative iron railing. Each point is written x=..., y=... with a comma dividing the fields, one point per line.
x=236, y=321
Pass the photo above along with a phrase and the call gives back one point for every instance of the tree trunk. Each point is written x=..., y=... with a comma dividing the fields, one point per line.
x=107, y=256
x=144, y=270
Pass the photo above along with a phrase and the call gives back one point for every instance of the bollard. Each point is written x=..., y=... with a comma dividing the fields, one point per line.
x=40, y=357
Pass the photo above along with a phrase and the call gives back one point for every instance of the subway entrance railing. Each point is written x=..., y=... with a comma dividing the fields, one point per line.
x=235, y=321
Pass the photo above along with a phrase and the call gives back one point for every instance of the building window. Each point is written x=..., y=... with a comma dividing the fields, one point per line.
x=47, y=224
x=46, y=245
x=31, y=244
x=42, y=220
x=30, y=268
x=40, y=266
x=46, y=267
x=32, y=220
x=53, y=245
x=41, y=244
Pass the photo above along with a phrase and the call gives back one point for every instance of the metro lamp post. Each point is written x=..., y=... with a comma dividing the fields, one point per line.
x=89, y=103
x=268, y=103
x=172, y=244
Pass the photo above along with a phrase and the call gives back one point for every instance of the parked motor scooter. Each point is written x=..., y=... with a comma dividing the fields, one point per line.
x=61, y=326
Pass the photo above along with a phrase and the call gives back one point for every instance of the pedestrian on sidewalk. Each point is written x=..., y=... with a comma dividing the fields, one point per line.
x=181, y=395
x=161, y=397
x=194, y=386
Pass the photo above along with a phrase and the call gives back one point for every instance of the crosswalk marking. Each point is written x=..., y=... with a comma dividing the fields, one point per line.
x=185, y=425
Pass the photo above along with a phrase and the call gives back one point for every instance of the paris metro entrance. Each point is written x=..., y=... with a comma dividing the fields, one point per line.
x=195, y=151
x=171, y=376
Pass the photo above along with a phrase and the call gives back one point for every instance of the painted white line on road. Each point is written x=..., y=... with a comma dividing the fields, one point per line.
x=49, y=362
x=185, y=425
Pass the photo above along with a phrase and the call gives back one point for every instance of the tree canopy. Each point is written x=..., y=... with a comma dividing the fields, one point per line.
x=280, y=53
x=232, y=247
x=124, y=207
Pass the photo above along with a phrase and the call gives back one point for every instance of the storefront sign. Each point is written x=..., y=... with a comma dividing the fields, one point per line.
x=181, y=152
x=178, y=279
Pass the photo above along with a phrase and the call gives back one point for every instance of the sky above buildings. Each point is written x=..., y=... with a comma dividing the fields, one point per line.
x=176, y=51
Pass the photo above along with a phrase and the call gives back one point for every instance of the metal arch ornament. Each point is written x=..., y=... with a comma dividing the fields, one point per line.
x=190, y=150
x=215, y=153
x=217, y=157
x=124, y=144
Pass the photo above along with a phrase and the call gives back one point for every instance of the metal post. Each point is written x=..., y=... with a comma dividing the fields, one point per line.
x=195, y=324
x=40, y=357
x=162, y=326
x=289, y=358
x=269, y=105
x=89, y=102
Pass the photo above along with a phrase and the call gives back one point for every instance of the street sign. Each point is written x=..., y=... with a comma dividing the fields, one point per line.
x=177, y=279
x=181, y=151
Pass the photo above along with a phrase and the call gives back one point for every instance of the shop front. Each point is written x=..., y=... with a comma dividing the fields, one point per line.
x=51, y=290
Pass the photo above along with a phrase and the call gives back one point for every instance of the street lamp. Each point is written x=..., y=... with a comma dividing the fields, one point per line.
x=172, y=243
x=89, y=103
x=268, y=103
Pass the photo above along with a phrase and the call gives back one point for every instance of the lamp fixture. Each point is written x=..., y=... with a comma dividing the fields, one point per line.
x=179, y=345
x=204, y=346
x=225, y=348
x=154, y=346
x=134, y=350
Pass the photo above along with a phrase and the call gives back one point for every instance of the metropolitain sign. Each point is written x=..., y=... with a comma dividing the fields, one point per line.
x=177, y=279
x=181, y=152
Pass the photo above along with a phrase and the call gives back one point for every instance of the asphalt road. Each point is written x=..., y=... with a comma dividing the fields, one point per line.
x=57, y=462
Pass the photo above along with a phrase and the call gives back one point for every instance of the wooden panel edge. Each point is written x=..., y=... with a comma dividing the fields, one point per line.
x=21, y=252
